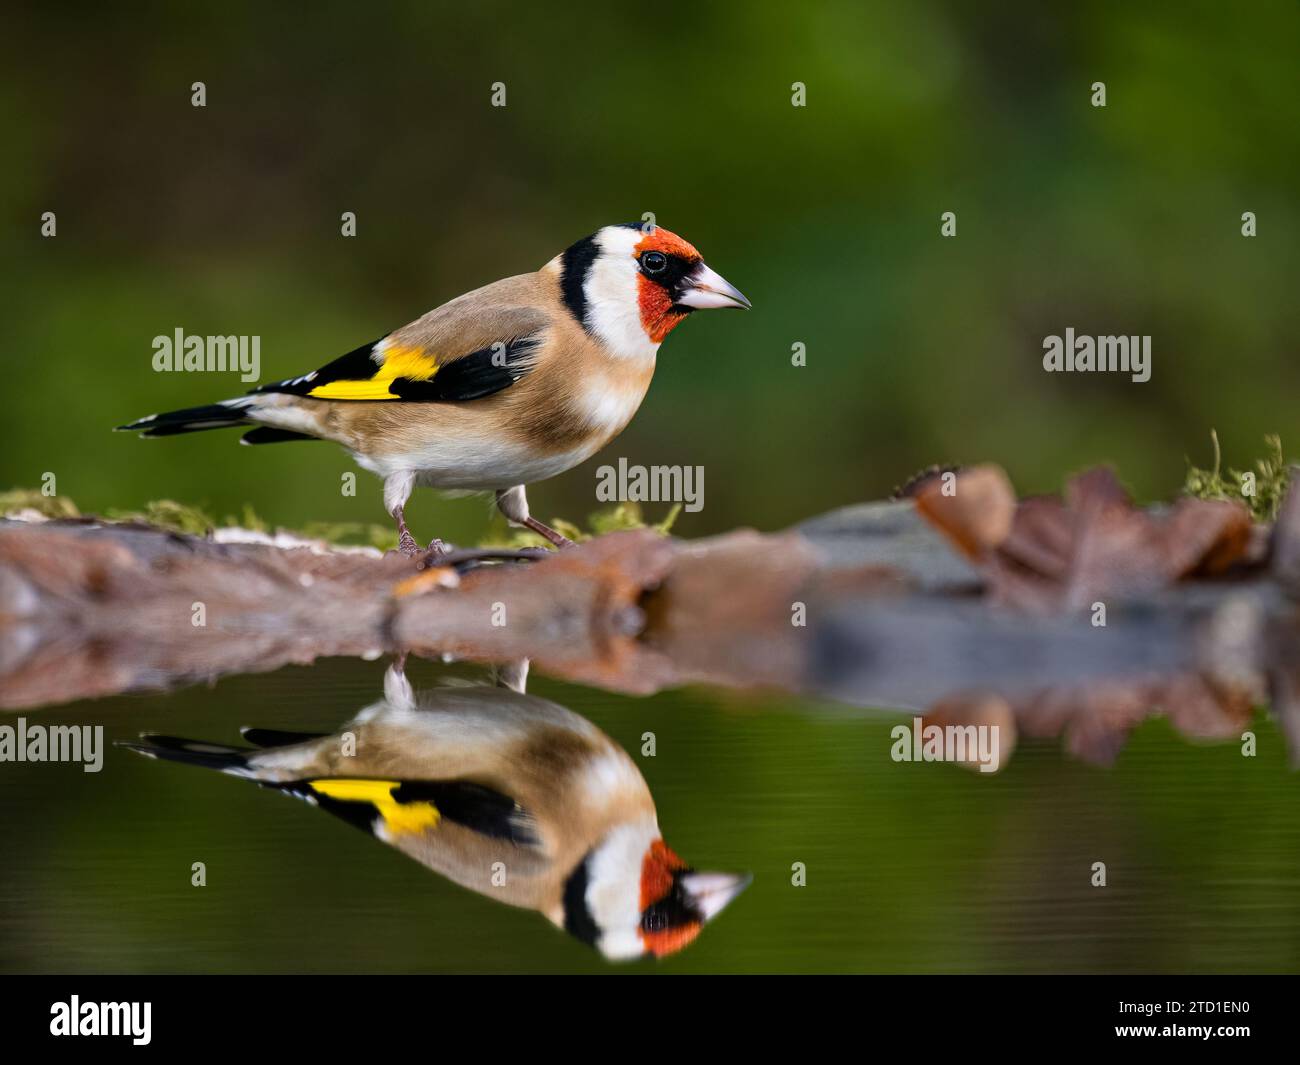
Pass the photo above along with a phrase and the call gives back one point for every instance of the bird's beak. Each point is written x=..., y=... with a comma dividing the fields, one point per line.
x=704, y=289
x=710, y=892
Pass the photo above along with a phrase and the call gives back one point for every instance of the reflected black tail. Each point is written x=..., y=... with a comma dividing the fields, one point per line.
x=191, y=752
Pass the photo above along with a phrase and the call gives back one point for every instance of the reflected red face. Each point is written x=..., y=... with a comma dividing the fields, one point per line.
x=668, y=923
x=665, y=260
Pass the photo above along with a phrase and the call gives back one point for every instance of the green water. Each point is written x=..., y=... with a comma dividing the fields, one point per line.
x=909, y=867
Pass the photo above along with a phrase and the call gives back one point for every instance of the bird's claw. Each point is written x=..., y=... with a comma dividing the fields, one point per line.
x=433, y=554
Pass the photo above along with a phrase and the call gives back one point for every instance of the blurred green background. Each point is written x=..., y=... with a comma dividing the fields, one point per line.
x=222, y=220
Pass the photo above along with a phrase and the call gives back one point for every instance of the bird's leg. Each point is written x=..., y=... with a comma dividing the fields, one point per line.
x=513, y=675
x=405, y=541
x=543, y=530
x=397, y=689
x=397, y=490
x=513, y=503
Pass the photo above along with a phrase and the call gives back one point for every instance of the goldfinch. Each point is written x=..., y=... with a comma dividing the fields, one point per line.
x=509, y=384
x=501, y=792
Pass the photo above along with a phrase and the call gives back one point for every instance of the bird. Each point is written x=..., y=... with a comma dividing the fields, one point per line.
x=504, y=793
x=509, y=384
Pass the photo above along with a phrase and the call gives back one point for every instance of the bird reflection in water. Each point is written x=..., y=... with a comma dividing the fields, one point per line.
x=501, y=792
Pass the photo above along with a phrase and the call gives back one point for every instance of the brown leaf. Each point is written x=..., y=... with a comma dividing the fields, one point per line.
x=1050, y=554
x=977, y=515
x=1205, y=536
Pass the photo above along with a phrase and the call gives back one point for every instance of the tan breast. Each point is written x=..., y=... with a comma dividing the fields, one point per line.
x=580, y=396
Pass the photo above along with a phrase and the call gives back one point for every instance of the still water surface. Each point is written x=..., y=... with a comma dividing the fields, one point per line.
x=909, y=867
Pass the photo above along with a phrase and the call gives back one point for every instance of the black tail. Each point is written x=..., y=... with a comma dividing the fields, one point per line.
x=190, y=420
x=191, y=752
x=272, y=737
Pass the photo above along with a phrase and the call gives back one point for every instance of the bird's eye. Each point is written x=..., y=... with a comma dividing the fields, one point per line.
x=654, y=262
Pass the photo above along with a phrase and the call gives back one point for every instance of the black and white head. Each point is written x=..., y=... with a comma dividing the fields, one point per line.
x=629, y=285
x=632, y=896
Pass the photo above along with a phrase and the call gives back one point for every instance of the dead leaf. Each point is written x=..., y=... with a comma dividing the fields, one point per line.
x=977, y=515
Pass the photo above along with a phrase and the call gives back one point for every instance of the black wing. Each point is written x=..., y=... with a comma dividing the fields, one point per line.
x=380, y=371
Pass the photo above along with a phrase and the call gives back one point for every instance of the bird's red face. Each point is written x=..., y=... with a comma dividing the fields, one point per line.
x=630, y=285
x=676, y=901
x=672, y=280
x=662, y=930
x=655, y=292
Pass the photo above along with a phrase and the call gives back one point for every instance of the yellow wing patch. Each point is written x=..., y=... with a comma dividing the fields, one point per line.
x=401, y=818
x=414, y=364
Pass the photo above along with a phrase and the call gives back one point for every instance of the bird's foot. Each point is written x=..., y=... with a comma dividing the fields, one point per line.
x=433, y=554
x=424, y=556
x=407, y=546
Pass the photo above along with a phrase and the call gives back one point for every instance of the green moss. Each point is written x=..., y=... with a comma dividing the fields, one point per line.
x=248, y=519
x=170, y=515
x=195, y=521
x=608, y=519
x=1267, y=481
x=19, y=499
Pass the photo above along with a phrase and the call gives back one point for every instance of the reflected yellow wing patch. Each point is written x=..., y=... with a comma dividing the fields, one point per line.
x=401, y=818
x=413, y=364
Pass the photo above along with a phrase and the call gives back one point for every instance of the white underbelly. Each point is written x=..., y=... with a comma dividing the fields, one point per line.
x=471, y=465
